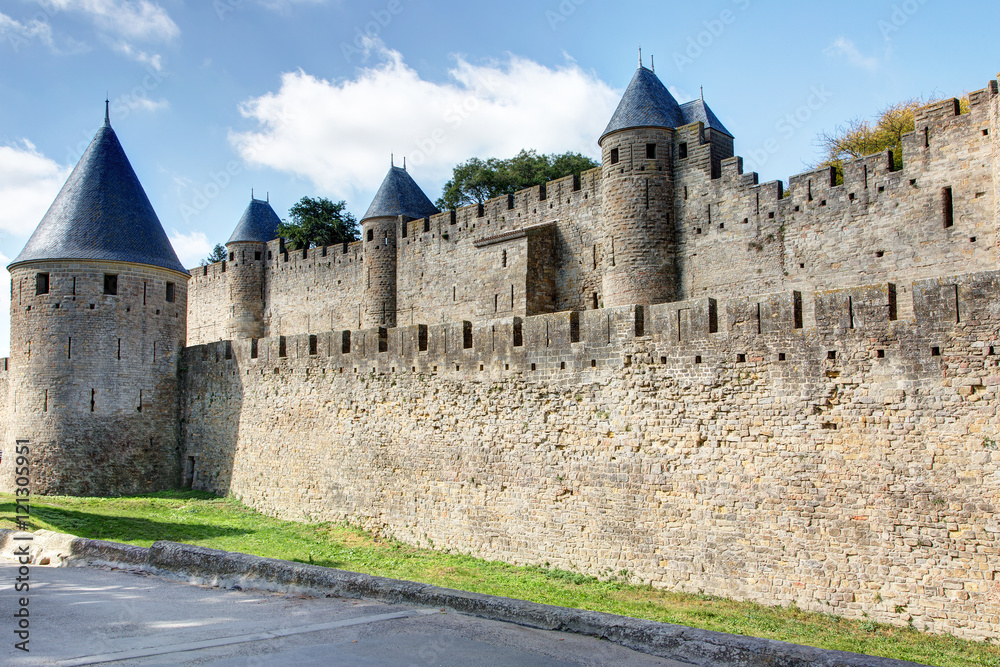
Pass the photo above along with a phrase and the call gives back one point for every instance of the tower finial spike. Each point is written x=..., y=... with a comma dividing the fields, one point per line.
x=703, y=93
x=392, y=160
x=107, y=110
x=251, y=194
x=640, y=56
x=652, y=62
x=404, y=163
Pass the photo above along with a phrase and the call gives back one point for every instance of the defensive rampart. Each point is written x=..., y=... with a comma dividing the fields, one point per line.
x=820, y=449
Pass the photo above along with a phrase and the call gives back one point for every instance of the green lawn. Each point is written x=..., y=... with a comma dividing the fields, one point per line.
x=223, y=523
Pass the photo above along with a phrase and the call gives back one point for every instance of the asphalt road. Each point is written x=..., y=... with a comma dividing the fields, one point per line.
x=89, y=616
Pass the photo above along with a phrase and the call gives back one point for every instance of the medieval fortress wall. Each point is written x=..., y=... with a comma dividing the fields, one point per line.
x=850, y=466
x=661, y=366
x=830, y=442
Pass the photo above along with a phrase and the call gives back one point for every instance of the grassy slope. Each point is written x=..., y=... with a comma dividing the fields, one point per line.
x=223, y=523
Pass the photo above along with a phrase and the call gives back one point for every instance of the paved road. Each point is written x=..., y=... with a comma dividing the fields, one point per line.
x=89, y=616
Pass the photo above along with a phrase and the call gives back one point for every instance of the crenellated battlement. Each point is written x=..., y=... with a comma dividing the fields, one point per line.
x=691, y=332
x=664, y=365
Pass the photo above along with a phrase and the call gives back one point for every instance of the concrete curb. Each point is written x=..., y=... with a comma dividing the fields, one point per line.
x=226, y=569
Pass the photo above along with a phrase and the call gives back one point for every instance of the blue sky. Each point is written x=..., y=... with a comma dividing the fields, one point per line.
x=211, y=98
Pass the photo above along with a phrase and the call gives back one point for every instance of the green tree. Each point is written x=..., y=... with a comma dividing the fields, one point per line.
x=218, y=254
x=319, y=221
x=863, y=136
x=475, y=180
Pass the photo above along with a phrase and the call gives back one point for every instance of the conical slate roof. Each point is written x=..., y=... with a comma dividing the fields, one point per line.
x=102, y=213
x=646, y=103
x=697, y=110
x=259, y=223
x=400, y=195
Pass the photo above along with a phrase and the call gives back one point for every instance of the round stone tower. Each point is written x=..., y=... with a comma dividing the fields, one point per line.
x=247, y=249
x=98, y=321
x=640, y=265
x=398, y=200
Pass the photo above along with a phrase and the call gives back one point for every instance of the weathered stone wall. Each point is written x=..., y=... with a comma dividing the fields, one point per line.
x=848, y=465
x=654, y=230
x=447, y=268
x=637, y=218
x=92, y=379
x=740, y=237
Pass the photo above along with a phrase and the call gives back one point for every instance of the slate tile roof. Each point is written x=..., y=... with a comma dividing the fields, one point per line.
x=400, y=195
x=102, y=213
x=259, y=223
x=648, y=103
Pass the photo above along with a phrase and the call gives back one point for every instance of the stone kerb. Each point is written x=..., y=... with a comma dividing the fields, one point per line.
x=200, y=565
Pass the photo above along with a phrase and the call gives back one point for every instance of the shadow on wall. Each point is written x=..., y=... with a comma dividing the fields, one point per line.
x=211, y=403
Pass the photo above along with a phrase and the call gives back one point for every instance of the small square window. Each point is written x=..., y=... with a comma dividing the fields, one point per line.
x=650, y=151
x=697, y=359
x=935, y=351
x=781, y=356
x=880, y=354
x=831, y=355
x=41, y=283
x=256, y=256
x=232, y=257
x=110, y=283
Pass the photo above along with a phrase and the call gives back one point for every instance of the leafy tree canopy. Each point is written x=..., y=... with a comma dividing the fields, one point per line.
x=218, y=254
x=319, y=221
x=475, y=180
x=863, y=136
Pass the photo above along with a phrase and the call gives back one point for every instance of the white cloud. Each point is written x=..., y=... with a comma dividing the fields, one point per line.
x=20, y=34
x=339, y=134
x=4, y=307
x=136, y=19
x=29, y=182
x=845, y=48
x=153, y=61
x=190, y=248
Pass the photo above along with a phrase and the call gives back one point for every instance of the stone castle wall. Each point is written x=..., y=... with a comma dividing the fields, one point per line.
x=720, y=232
x=848, y=466
x=831, y=442
x=92, y=379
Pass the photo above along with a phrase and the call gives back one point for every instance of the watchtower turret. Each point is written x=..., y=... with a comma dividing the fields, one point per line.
x=398, y=200
x=638, y=195
x=98, y=320
x=246, y=250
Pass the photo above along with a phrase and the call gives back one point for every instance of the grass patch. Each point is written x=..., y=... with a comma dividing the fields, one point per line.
x=223, y=523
